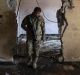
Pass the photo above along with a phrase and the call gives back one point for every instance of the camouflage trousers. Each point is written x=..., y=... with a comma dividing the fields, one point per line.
x=33, y=50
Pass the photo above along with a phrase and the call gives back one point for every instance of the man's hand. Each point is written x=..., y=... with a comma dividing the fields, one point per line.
x=43, y=38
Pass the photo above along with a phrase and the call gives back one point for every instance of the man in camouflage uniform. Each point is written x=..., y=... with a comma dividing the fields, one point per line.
x=34, y=25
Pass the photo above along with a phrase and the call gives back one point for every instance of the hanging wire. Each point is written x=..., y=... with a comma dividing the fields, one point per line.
x=18, y=7
x=44, y=14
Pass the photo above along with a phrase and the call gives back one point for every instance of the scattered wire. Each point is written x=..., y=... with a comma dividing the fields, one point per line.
x=44, y=14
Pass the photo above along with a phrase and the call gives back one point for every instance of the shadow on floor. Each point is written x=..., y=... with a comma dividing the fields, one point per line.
x=45, y=67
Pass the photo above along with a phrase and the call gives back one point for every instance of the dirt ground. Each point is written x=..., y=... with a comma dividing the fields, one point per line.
x=45, y=67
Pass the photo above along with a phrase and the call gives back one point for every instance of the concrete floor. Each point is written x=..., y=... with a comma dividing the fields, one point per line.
x=45, y=67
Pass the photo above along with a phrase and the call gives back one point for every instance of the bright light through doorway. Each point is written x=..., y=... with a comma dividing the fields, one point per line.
x=49, y=8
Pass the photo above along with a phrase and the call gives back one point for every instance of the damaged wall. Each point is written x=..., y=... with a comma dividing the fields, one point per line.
x=72, y=35
x=8, y=28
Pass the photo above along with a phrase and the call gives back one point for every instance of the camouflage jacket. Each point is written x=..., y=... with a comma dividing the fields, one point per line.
x=34, y=27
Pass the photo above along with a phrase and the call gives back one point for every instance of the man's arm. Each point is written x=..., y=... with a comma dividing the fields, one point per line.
x=42, y=25
x=24, y=24
x=43, y=29
x=57, y=13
